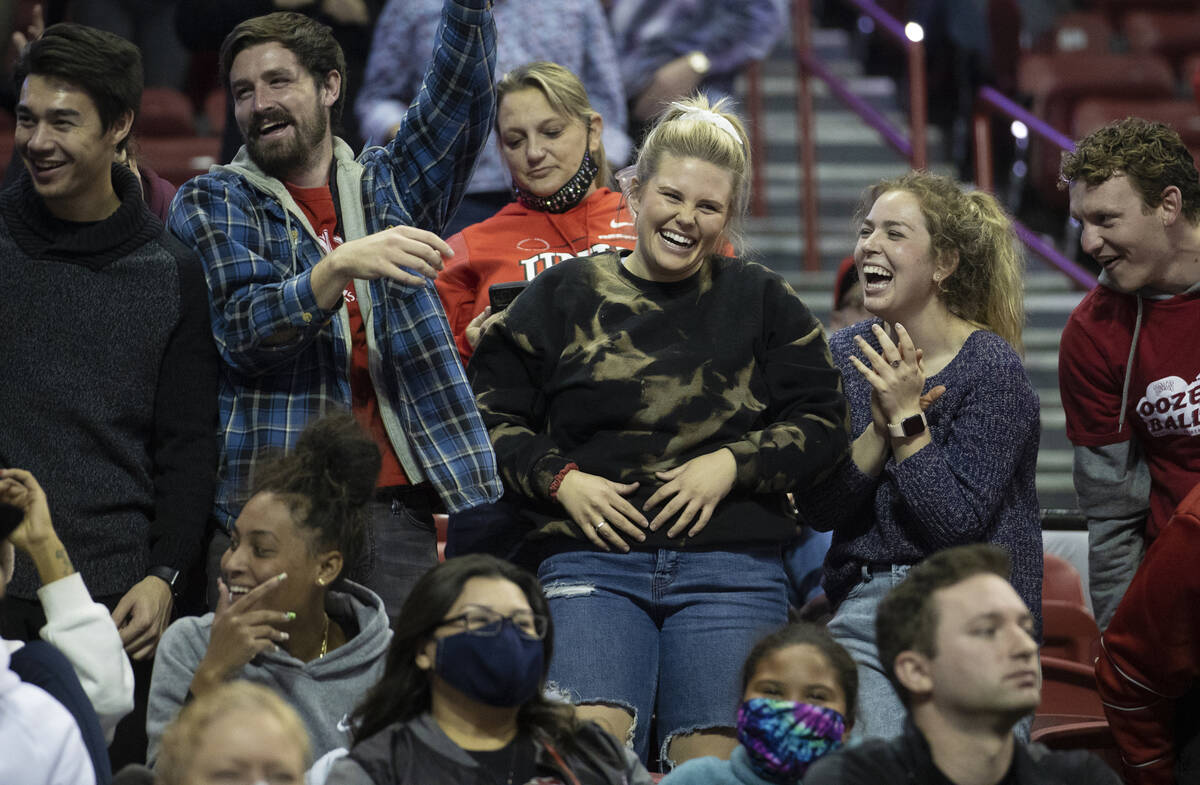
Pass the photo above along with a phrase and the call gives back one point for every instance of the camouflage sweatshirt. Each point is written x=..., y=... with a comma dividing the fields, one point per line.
x=627, y=377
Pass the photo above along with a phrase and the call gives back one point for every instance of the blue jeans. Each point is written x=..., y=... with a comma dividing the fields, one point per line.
x=662, y=632
x=880, y=712
x=803, y=558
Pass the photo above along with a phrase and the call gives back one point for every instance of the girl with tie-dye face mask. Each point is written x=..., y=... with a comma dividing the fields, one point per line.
x=799, y=688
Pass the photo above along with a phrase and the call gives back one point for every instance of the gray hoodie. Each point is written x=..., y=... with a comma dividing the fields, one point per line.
x=324, y=691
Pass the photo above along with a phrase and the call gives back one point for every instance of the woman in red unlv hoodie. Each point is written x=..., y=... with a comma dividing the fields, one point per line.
x=549, y=137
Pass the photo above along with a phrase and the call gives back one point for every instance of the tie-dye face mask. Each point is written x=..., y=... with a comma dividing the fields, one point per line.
x=784, y=737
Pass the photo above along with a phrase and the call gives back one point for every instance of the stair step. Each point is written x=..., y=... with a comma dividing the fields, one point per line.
x=850, y=156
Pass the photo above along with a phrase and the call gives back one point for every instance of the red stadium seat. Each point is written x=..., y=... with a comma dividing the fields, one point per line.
x=1080, y=31
x=1069, y=688
x=178, y=159
x=1171, y=34
x=1069, y=632
x=1182, y=114
x=1117, y=7
x=214, y=110
x=1071, y=733
x=1191, y=74
x=1057, y=82
x=1061, y=581
x=165, y=112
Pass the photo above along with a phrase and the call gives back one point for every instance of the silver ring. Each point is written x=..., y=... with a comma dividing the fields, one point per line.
x=601, y=525
x=895, y=363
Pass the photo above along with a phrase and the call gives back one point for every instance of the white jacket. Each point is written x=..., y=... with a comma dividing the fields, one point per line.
x=85, y=633
x=40, y=743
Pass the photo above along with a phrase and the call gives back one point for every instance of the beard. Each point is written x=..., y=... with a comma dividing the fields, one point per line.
x=279, y=158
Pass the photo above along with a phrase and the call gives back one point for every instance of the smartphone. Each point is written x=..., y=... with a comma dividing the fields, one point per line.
x=502, y=294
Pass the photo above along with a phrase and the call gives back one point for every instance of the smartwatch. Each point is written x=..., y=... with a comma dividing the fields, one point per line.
x=909, y=426
x=168, y=574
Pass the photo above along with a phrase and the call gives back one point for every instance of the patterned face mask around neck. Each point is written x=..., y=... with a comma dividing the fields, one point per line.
x=572, y=191
x=783, y=737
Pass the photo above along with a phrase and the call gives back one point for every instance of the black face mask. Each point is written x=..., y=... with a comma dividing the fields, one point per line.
x=504, y=669
x=573, y=190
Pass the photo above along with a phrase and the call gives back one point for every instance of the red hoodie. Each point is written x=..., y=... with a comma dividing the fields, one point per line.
x=1150, y=653
x=517, y=243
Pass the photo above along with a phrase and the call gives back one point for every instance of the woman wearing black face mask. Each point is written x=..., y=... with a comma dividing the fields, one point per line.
x=462, y=697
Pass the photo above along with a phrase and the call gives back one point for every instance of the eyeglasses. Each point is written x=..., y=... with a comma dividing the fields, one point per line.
x=485, y=621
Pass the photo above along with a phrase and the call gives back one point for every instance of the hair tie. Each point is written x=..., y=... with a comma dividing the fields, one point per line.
x=625, y=178
x=709, y=116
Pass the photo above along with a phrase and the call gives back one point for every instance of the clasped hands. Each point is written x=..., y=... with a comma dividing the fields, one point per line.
x=897, y=377
x=690, y=491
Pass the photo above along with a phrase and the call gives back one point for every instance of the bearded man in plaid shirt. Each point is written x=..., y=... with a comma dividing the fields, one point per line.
x=319, y=268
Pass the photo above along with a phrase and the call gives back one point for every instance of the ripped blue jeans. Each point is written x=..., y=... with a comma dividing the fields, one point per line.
x=661, y=631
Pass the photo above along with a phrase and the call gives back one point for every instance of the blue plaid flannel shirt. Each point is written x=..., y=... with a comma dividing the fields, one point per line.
x=285, y=360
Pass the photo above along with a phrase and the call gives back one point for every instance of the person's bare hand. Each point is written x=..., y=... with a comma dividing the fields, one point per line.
x=347, y=12
x=403, y=253
x=476, y=326
x=673, y=80
x=142, y=615
x=600, y=509
x=37, y=26
x=20, y=489
x=879, y=419
x=694, y=489
x=896, y=374
x=928, y=398
x=241, y=630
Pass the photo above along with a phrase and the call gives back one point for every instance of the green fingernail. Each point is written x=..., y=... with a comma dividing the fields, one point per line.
x=281, y=576
x=291, y=615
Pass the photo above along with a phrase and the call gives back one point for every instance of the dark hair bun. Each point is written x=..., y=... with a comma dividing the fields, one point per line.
x=329, y=479
x=337, y=452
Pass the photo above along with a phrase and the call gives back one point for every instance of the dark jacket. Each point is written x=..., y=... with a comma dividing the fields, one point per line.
x=907, y=759
x=417, y=752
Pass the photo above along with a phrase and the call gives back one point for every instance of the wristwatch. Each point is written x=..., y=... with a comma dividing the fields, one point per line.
x=909, y=426
x=699, y=62
x=168, y=574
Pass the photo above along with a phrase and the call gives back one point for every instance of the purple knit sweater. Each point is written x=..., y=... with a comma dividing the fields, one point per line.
x=973, y=483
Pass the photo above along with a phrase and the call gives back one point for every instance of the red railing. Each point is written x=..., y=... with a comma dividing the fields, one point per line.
x=758, y=145
x=911, y=147
x=992, y=102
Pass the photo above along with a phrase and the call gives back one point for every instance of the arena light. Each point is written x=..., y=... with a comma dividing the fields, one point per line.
x=914, y=32
x=1019, y=130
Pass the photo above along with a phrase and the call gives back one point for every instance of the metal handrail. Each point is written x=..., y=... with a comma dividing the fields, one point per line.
x=991, y=101
x=912, y=147
x=758, y=137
